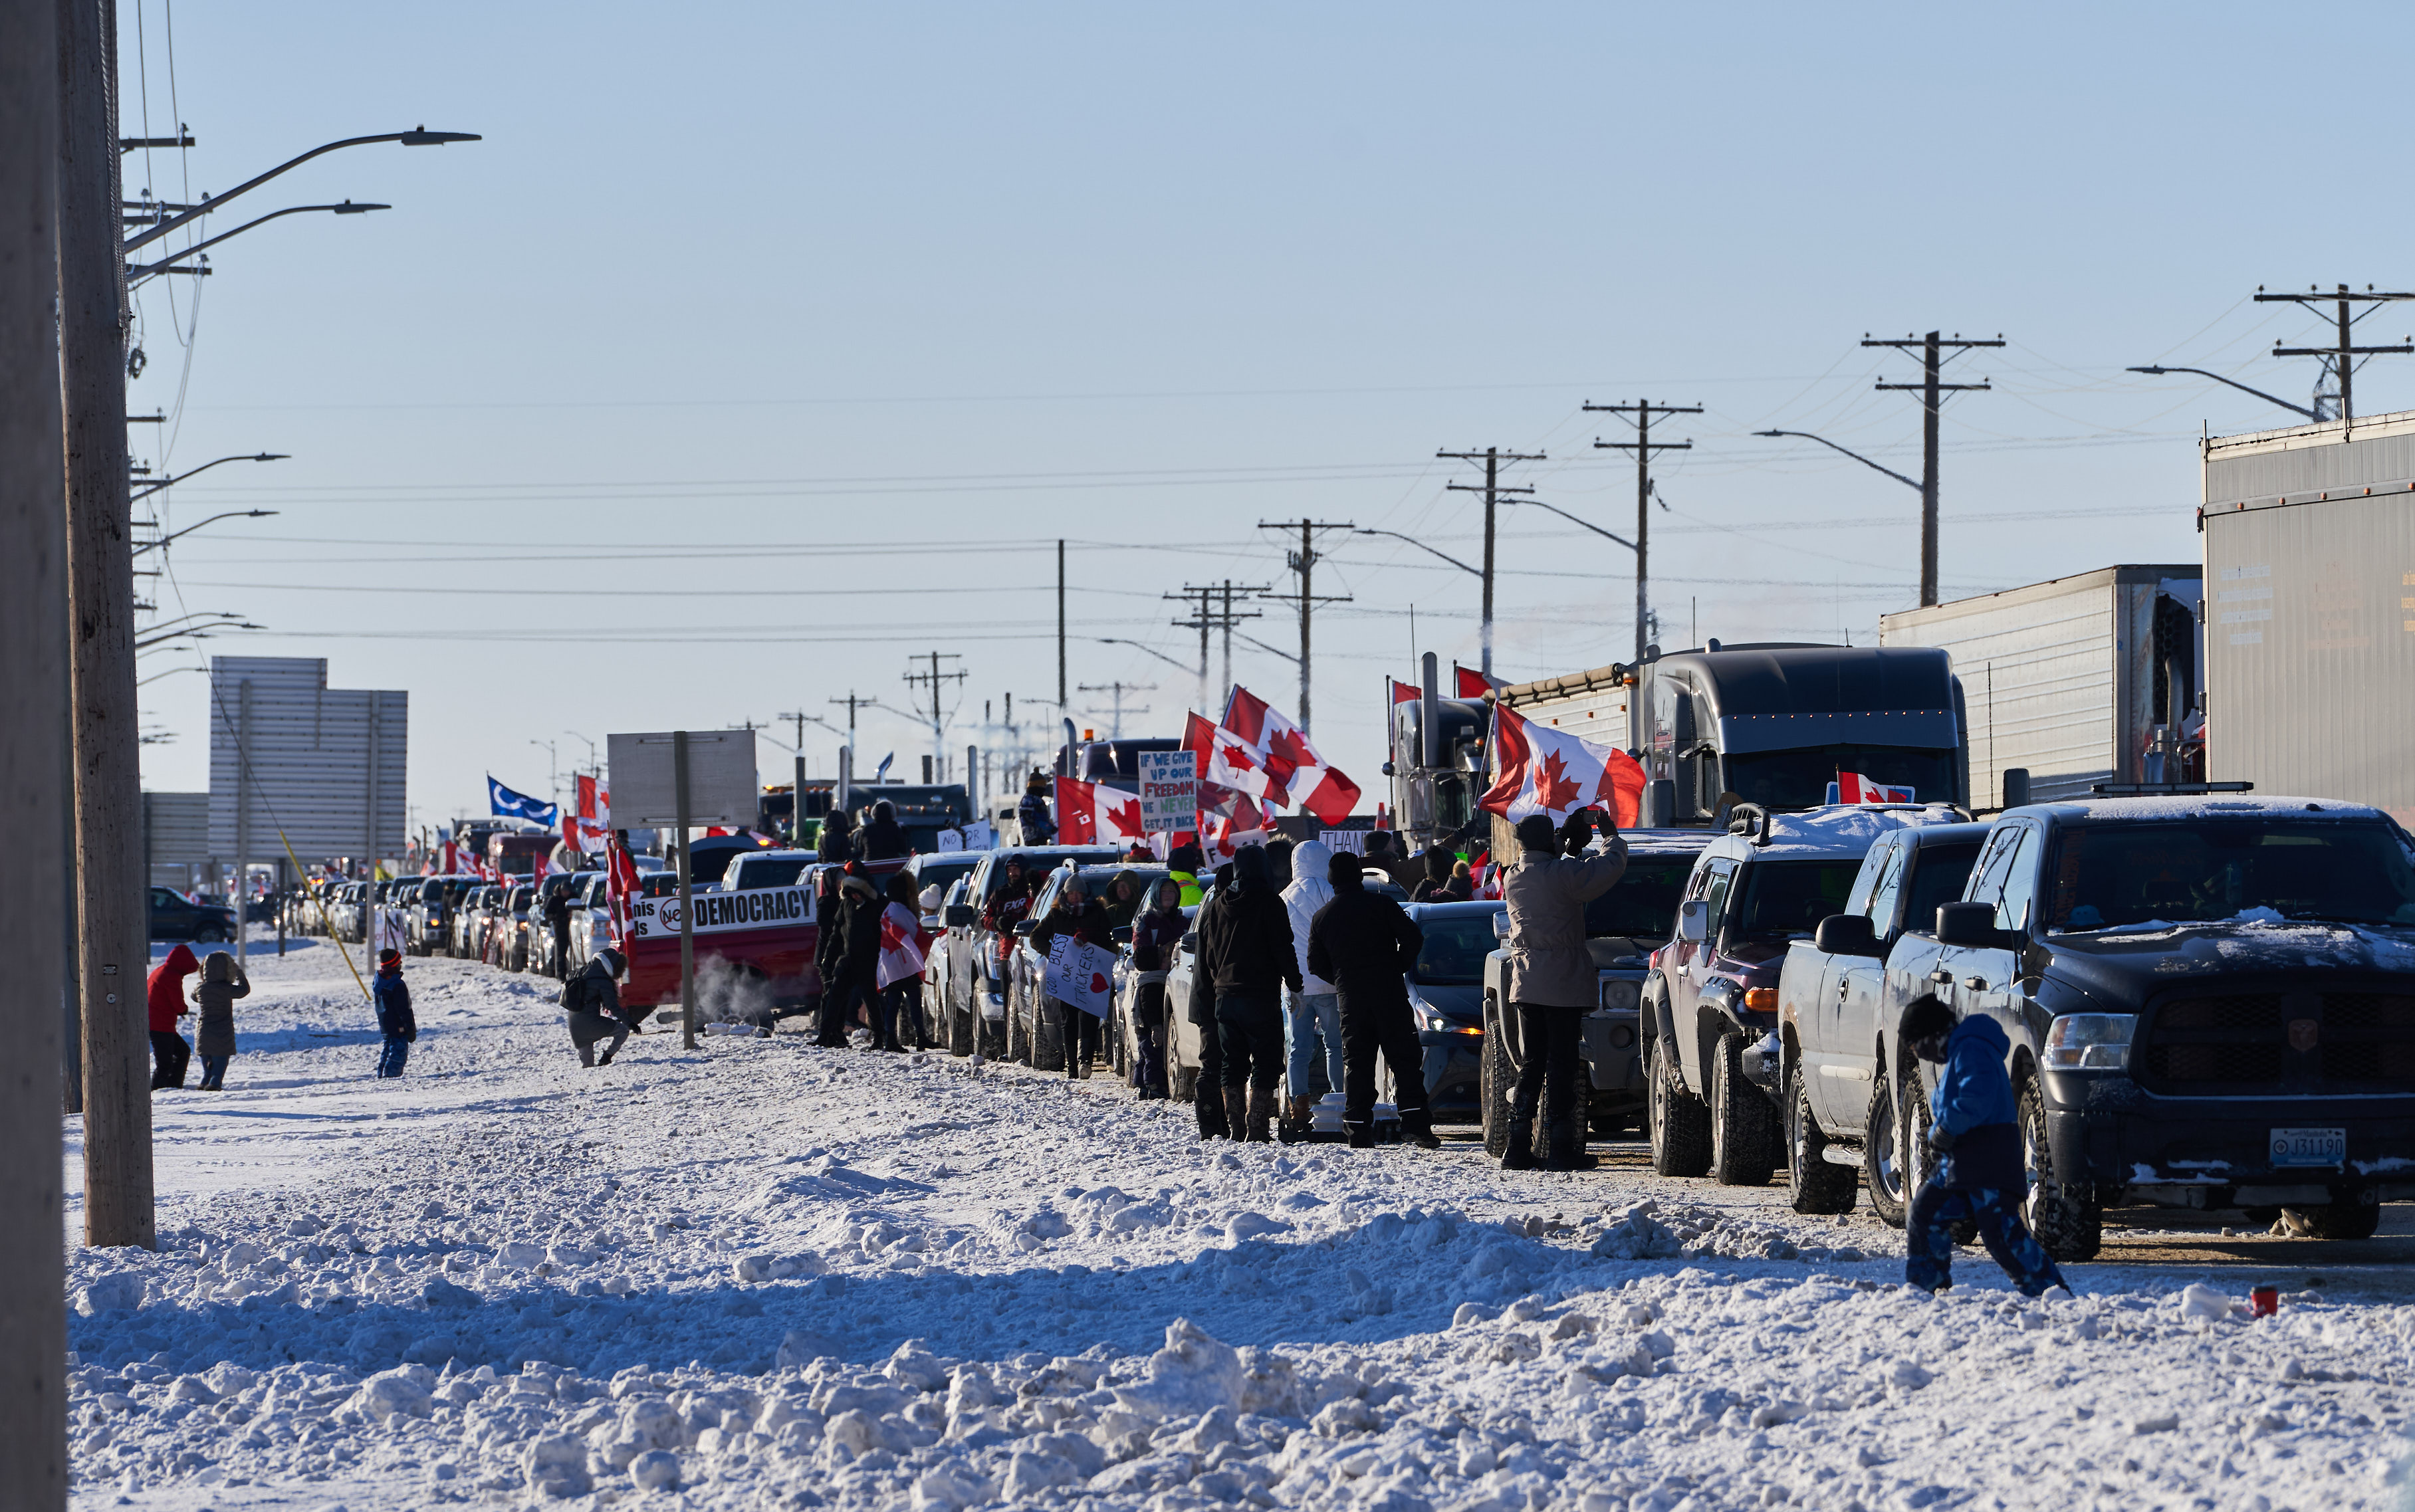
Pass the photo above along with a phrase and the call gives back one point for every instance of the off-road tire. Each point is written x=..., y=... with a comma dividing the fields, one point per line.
x=2062, y=1208
x=1816, y=1184
x=1680, y=1125
x=1743, y=1134
x=2345, y=1220
x=1496, y=1078
x=1884, y=1165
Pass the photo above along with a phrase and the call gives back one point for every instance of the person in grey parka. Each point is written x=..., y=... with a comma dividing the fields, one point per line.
x=1552, y=983
x=592, y=999
x=222, y=982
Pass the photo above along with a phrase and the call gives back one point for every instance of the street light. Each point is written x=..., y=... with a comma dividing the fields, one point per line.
x=1110, y=640
x=170, y=482
x=1573, y=520
x=1396, y=535
x=161, y=634
x=1913, y=483
x=2293, y=408
x=135, y=272
x=239, y=514
x=420, y=137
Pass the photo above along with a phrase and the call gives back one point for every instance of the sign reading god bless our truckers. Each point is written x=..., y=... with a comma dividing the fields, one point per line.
x=721, y=912
x=1169, y=791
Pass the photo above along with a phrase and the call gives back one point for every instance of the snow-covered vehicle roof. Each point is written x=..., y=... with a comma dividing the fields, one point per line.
x=2196, y=806
x=1843, y=828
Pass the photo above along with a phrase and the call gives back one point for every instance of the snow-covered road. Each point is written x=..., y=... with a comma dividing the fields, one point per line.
x=763, y=1274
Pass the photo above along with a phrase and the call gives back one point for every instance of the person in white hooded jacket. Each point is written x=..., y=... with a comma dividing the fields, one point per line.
x=1314, y=1012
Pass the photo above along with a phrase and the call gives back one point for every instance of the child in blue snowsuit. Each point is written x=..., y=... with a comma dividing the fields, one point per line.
x=394, y=1016
x=1980, y=1176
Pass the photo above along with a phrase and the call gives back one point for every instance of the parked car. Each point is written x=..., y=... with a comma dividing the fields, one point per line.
x=175, y=918
x=2210, y=1000
x=591, y=917
x=974, y=1014
x=543, y=957
x=1621, y=928
x=1839, y=999
x=430, y=910
x=1710, y=999
x=1446, y=1000
x=766, y=869
x=511, y=927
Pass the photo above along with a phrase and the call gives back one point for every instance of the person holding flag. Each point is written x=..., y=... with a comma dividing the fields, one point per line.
x=905, y=945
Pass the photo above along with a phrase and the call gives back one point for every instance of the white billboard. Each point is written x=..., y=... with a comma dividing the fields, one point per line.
x=322, y=767
x=721, y=783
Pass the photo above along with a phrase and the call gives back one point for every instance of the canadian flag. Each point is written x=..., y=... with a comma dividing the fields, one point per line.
x=619, y=888
x=1853, y=787
x=1539, y=769
x=1472, y=682
x=1090, y=814
x=1223, y=839
x=1294, y=773
x=904, y=946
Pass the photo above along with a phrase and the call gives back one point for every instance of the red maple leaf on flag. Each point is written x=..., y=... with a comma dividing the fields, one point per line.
x=1238, y=757
x=1126, y=816
x=892, y=933
x=1290, y=748
x=1553, y=790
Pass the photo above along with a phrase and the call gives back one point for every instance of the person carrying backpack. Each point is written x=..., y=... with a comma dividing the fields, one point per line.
x=592, y=1001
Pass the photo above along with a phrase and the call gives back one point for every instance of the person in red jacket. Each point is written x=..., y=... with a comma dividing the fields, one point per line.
x=165, y=994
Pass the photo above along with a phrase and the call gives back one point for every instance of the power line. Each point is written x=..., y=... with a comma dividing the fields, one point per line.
x=1209, y=616
x=1117, y=712
x=2339, y=360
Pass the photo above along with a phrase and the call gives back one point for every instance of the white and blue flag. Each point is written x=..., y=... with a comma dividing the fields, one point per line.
x=501, y=799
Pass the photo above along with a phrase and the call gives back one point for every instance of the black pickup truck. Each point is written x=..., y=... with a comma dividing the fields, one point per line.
x=2210, y=1001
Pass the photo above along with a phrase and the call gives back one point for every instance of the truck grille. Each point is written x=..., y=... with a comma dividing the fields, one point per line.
x=2295, y=1043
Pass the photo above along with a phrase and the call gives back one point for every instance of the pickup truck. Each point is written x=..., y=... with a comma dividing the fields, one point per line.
x=1840, y=997
x=2210, y=1000
x=1621, y=927
x=972, y=1017
x=763, y=936
x=1710, y=995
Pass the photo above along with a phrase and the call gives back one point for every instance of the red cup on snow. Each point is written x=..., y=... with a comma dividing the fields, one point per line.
x=2263, y=1301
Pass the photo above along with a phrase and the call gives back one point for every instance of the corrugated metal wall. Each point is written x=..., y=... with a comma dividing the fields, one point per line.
x=2310, y=641
x=327, y=765
x=175, y=835
x=2040, y=683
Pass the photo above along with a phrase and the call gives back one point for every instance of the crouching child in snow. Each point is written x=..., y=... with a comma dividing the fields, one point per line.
x=392, y=1014
x=1979, y=1175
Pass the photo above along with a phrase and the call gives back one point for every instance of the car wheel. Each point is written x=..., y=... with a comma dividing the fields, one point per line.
x=1883, y=1156
x=963, y=1025
x=2351, y=1216
x=1182, y=1082
x=1496, y=1079
x=1680, y=1125
x=1017, y=1049
x=1046, y=1033
x=1742, y=1136
x=2063, y=1211
x=1815, y=1183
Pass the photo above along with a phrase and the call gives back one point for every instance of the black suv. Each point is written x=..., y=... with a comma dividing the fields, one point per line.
x=2211, y=1002
x=174, y=918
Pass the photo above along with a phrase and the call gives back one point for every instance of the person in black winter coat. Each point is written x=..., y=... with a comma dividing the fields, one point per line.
x=882, y=838
x=1032, y=815
x=1245, y=950
x=862, y=971
x=1363, y=943
x=1075, y=912
x=1157, y=933
x=837, y=843
x=557, y=918
x=593, y=1001
x=829, y=956
x=395, y=1022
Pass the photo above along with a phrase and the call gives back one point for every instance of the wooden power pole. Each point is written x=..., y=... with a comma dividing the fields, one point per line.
x=34, y=784
x=1492, y=488
x=110, y=924
x=1640, y=415
x=1303, y=561
x=1932, y=392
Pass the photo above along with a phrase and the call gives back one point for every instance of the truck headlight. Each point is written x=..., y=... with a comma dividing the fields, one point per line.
x=1621, y=996
x=2089, y=1042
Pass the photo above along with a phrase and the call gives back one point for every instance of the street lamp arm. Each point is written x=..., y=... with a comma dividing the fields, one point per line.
x=1396, y=535
x=240, y=514
x=1573, y=520
x=1270, y=650
x=1111, y=640
x=1913, y=484
x=140, y=270
x=2293, y=408
x=422, y=137
x=170, y=482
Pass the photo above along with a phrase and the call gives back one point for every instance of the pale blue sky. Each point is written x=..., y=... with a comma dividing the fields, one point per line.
x=733, y=302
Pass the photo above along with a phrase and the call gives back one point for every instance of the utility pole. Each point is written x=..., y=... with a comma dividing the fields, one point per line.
x=934, y=677
x=1638, y=415
x=851, y=701
x=1115, y=713
x=2340, y=359
x=1492, y=488
x=1932, y=399
x=1209, y=617
x=36, y=790
x=1303, y=561
x=110, y=899
x=1060, y=624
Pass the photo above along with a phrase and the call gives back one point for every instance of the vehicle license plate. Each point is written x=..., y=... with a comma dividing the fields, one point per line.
x=2309, y=1146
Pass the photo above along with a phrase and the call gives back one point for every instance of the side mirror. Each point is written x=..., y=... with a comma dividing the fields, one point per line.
x=960, y=915
x=1694, y=921
x=1121, y=933
x=1968, y=923
x=1846, y=934
x=1191, y=939
x=1501, y=926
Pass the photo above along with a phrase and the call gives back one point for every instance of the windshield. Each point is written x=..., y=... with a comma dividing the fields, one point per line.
x=1643, y=904
x=1781, y=900
x=942, y=875
x=1944, y=872
x=658, y=885
x=1037, y=864
x=770, y=871
x=1800, y=779
x=2109, y=876
x=1455, y=948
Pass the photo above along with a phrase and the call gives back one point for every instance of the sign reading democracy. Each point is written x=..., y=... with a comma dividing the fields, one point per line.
x=1169, y=791
x=719, y=912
